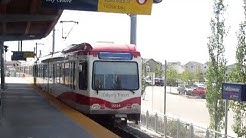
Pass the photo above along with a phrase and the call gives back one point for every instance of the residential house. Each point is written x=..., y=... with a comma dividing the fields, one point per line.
x=176, y=66
x=230, y=68
x=193, y=66
x=150, y=65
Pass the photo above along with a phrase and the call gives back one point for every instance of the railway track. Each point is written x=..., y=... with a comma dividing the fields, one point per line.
x=129, y=130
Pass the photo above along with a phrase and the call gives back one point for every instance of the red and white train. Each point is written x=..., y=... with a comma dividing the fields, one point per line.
x=100, y=79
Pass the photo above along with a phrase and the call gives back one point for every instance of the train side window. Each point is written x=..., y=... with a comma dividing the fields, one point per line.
x=63, y=74
x=54, y=73
x=66, y=73
x=73, y=81
x=83, y=76
x=72, y=75
x=58, y=72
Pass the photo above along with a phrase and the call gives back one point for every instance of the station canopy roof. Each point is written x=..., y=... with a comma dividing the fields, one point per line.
x=26, y=20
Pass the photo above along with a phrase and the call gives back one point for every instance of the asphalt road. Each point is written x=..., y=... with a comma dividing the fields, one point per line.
x=187, y=108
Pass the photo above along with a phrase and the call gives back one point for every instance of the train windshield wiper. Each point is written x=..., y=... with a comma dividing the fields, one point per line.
x=130, y=90
x=97, y=90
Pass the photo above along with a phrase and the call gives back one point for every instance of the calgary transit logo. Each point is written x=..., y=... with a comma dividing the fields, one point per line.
x=141, y=2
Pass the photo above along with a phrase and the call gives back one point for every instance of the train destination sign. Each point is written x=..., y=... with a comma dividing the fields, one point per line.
x=22, y=55
x=116, y=6
x=236, y=92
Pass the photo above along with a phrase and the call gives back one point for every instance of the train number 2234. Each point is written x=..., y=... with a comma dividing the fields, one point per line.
x=116, y=105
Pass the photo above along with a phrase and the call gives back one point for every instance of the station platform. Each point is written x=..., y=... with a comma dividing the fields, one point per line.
x=27, y=112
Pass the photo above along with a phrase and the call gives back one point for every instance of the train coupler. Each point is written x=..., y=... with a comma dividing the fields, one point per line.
x=120, y=119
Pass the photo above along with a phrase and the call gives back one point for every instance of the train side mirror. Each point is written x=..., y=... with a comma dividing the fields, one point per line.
x=157, y=1
x=5, y=48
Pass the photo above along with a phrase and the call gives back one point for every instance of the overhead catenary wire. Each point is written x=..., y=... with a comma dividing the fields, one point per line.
x=65, y=37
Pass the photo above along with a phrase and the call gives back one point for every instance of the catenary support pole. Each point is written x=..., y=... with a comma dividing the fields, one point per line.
x=36, y=48
x=53, y=42
x=2, y=65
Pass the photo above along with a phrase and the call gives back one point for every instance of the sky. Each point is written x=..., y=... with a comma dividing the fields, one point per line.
x=176, y=30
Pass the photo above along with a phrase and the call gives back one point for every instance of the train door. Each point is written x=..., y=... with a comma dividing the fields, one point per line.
x=66, y=73
x=46, y=77
x=52, y=77
x=82, y=83
x=83, y=75
x=35, y=74
x=58, y=74
x=72, y=80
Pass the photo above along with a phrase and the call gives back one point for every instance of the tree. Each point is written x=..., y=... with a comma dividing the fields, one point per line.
x=216, y=68
x=158, y=70
x=199, y=76
x=239, y=75
x=172, y=77
x=187, y=77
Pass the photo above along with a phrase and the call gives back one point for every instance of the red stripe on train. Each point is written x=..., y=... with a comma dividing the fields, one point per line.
x=85, y=100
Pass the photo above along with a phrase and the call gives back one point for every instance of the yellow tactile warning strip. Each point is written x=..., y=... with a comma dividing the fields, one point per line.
x=92, y=127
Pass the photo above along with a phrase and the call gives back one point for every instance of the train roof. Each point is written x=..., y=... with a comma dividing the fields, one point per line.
x=52, y=57
x=100, y=47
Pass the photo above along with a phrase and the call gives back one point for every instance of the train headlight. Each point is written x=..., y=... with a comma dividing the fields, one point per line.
x=95, y=107
x=136, y=107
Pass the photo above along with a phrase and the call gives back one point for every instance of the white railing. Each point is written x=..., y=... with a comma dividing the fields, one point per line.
x=176, y=128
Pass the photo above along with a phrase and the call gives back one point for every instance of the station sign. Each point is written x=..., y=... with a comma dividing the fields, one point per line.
x=115, y=6
x=22, y=55
x=236, y=92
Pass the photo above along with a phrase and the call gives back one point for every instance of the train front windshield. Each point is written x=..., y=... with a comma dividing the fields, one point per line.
x=115, y=75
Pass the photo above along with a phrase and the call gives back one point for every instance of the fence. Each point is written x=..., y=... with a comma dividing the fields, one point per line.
x=176, y=128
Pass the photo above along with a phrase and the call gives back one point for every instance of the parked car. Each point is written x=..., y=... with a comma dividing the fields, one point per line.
x=148, y=82
x=159, y=82
x=198, y=85
x=185, y=89
x=199, y=91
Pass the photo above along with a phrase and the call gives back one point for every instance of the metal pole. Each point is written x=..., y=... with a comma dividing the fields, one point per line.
x=53, y=42
x=21, y=45
x=40, y=53
x=18, y=45
x=165, y=100
x=226, y=117
x=165, y=88
x=2, y=65
x=36, y=52
x=133, y=29
x=2, y=83
x=5, y=61
x=152, y=98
